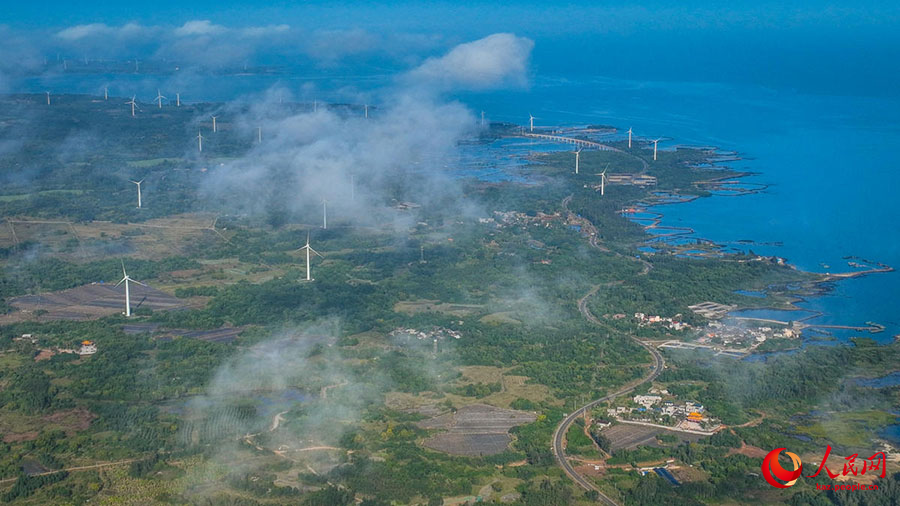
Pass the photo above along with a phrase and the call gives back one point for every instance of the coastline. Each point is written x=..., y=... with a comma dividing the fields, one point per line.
x=813, y=288
x=681, y=241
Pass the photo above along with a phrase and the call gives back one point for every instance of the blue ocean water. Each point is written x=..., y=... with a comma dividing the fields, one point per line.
x=829, y=161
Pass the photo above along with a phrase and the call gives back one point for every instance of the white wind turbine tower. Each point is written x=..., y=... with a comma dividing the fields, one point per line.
x=214, y=124
x=531, y=122
x=106, y=93
x=138, y=183
x=655, y=144
x=629, y=137
x=133, y=104
x=308, y=250
x=577, y=158
x=126, y=280
x=259, y=135
x=48, y=97
x=178, y=100
x=603, y=180
x=482, y=118
x=324, y=214
x=367, y=110
x=199, y=141
x=159, y=98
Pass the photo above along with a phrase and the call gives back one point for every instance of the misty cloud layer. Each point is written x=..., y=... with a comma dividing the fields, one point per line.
x=408, y=137
x=495, y=61
x=203, y=43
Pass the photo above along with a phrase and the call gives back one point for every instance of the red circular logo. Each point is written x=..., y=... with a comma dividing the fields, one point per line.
x=771, y=469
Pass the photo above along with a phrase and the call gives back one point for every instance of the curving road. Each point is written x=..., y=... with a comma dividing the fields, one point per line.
x=558, y=446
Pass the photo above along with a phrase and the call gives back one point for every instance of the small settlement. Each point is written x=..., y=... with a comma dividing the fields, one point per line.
x=659, y=407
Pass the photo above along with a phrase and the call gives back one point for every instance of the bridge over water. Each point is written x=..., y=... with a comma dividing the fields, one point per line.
x=569, y=140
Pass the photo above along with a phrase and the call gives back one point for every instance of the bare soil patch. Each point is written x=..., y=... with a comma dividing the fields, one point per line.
x=474, y=430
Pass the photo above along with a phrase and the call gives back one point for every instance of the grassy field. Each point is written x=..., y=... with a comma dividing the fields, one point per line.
x=151, y=162
x=578, y=443
x=412, y=307
x=512, y=387
x=23, y=196
x=151, y=240
x=849, y=429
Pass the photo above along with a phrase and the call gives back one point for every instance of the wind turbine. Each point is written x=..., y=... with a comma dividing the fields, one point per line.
x=531, y=122
x=136, y=65
x=200, y=141
x=309, y=249
x=133, y=104
x=603, y=180
x=655, y=144
x=159, y=98
x=178, y=100
x=629, y=137
x=125, y=279
x=324, y=214
x=482, y=118
x=106, y=93
x=577, y=158
x=214, y=124
x=138, y=183
x=259, y=135
x=48, y=97
x=367, y=110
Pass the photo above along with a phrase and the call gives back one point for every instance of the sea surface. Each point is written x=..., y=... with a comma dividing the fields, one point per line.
x=830, y=161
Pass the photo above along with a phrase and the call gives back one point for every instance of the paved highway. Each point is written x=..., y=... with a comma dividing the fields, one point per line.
x=558, y=447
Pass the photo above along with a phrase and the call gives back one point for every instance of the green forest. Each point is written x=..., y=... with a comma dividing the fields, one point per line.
x=318, y=395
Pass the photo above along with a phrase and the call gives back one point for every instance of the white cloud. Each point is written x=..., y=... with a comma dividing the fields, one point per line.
x=497, y=60
x=78, y=32
x=262, y=31
x=199, y=27
x=131, y=29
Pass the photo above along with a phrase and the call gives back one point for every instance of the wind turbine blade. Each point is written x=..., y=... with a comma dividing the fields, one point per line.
x=138, y=282
x=316, y=252
x=120, y=282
